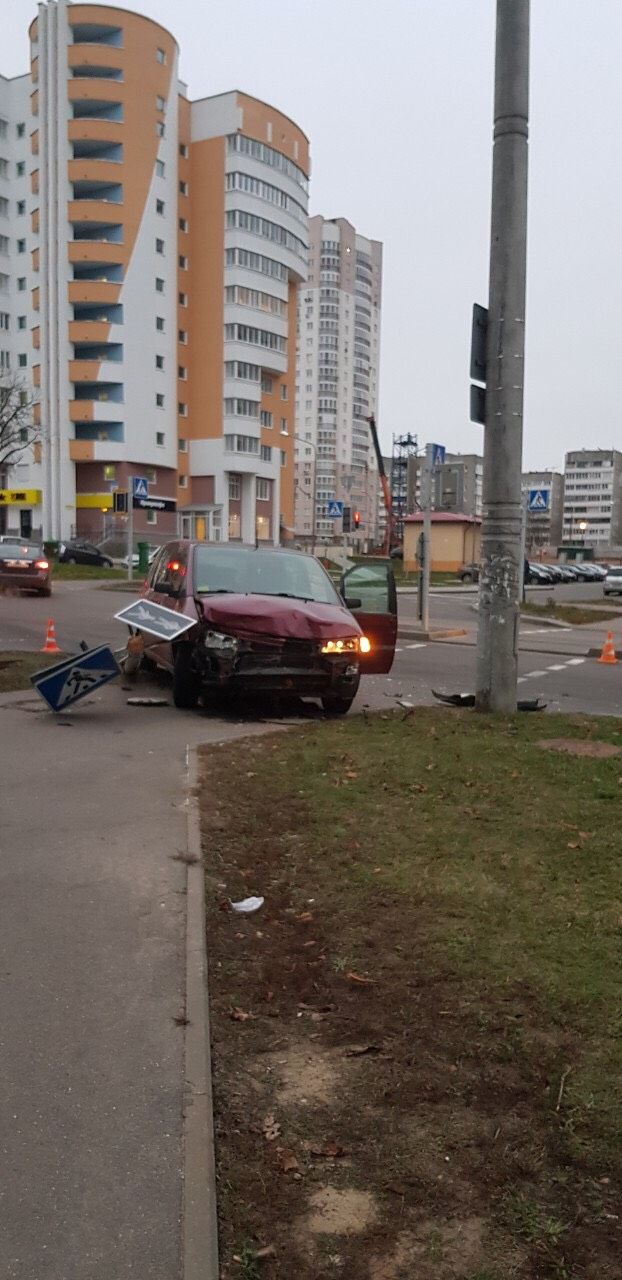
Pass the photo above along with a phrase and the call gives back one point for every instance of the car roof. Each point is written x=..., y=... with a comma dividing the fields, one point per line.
x=242, y=546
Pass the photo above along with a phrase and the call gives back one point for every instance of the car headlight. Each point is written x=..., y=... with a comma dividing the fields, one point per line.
x=349, y=644
x=218, y=640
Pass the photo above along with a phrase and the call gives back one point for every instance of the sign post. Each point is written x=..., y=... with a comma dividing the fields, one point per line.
x=434, y=457
x=138, y=488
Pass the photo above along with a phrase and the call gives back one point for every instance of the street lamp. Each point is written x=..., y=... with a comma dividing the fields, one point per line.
x=308, y=444
x=582, y=528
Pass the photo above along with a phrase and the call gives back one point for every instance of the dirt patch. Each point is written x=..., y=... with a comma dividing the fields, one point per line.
x=580, y=747
x=439, y=1252
x=306, y=1076
x=339, y=1211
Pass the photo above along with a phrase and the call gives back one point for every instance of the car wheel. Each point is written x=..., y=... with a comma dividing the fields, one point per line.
x=71, y=560
x=466, y=577
x=186, y=683
x=336, y=706
x=108, y=564
x=45, y=591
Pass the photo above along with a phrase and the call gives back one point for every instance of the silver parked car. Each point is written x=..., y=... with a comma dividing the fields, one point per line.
x=612, y=586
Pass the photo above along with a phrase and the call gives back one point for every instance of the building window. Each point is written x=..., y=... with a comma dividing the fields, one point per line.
x=22, y=360
x=4, y=320
x=152, y=475
x=235, y=488
x=183, y=150
x=266, y=453
x=159, y=246
x=21, y=246
x=234, y=524
x=159, y=400
x=160, y=168
x=21, y=207
x=183, y=482
x=160, y=207
x=182, y=372
x=161, y=56
x=266, y=382
x=263, y=489
x=152, y=516
x=284, y=427
x=283, y=391
x=182, y=336
x=160, y=103
x=21, y=284
x=283, y=458
x=159, y=362
x=160, y=128
x=183, y=262
x=266, y=418
x=20, y=129
x=183, y=445
x=159, y=284
x=183, y=188
x=21, y=322
x=183, y=224
x=20, y=168
x=262, y=525
x=160, y=324
x=182, y=409
x=160, y=439
x=183, y=299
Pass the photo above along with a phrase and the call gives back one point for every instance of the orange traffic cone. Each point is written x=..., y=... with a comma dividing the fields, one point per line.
x=608, y=654
x=50, y=645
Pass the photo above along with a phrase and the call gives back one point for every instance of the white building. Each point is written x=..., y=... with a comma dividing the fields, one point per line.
x=337, y=379
x=593, y=497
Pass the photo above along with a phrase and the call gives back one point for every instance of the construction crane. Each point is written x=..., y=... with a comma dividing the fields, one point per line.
x=386, y=491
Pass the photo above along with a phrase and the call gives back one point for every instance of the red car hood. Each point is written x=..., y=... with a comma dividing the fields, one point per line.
x=272, y=616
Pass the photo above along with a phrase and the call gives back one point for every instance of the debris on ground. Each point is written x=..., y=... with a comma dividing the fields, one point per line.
x=247, y=905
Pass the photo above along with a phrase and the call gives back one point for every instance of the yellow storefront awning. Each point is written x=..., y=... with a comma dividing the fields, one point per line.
x=20, y=497
x=101, y=500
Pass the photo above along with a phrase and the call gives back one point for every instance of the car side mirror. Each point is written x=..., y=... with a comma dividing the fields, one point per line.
x=353, y=602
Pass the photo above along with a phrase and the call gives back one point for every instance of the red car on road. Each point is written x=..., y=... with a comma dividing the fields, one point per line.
x=270, y=619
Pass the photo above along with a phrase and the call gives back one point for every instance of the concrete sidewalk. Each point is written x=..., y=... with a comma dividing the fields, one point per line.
x=92, y=943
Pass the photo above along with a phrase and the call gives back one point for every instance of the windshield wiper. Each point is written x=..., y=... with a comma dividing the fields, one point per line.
x=216, y=591
x=283, y=595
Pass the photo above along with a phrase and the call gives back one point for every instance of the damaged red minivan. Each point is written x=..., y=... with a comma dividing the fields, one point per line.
x=271, y=620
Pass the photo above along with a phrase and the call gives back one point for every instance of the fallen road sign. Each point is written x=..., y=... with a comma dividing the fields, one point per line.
x=68, y=681
x=155, y=619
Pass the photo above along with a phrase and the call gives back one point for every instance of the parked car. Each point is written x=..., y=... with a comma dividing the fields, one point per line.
x=397, y=553
x=153, y=551
x=595, y=572
x=23, y=567
x=612, y=586
x=271, y=620
x=469, y=573
x=539, y=575
x=79, y=552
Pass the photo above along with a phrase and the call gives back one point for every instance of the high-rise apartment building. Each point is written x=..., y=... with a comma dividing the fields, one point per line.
x=593, y=497
x=150, y=252
x=337, y=378
x=456, y=486
x=543, y=524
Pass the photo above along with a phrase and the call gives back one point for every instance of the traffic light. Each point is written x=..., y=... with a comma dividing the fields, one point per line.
x=356, y=519
x=119, y=501
x=346, y=520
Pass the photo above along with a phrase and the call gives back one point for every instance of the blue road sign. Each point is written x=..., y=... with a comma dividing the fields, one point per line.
x=155, y=619
x=334, y=509
x=140, y=486
x=538, y=499
x=438, y=455
x=68, y=681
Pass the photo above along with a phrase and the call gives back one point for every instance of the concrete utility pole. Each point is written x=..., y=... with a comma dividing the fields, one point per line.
x=497, y=642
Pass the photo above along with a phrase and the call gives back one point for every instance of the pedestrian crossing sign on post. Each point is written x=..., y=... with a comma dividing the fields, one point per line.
x=141, y=486
x=538, y=499
x=334, y=509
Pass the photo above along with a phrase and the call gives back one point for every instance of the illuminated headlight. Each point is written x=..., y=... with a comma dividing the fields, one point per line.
x=218, y=640
x=365, y=644
x=349, y=644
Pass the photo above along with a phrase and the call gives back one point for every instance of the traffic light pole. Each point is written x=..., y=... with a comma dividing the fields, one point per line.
x=497, y=642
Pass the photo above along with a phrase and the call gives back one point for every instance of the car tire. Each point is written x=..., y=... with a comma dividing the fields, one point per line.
x=107, y=564
x=466, y=577
x=334, y=705
x=45, y=591
x=186, y=683
x=71, y=560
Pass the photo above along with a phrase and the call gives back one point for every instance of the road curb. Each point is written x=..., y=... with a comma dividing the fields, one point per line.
x=200, y=1220
x=445, y=633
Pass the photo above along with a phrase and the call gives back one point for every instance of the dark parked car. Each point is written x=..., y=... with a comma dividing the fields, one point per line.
x=271, y=620
x=78, y=552
x=469, y=573
x=24, y=567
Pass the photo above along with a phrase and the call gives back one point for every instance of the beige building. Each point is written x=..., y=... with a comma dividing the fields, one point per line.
x=456, y=540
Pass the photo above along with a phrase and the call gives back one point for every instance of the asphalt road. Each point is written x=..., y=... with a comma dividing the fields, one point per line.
x=92, y=929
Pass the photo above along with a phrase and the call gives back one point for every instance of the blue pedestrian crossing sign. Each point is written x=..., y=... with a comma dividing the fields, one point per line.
x=140, y=487
x=334, y=509
x=538, y=499
x=68, y=681
x=438, y=455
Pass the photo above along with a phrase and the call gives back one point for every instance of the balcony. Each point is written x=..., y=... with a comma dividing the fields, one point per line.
x=96, y=149
x=105, y=272
x=85, y=229
x=97, y=291
x=97, y=33
x=97, y=109
x=103, y=392
x=106, y=432
x=102, y=192
x=108, y=313
x=89, y=352
x=96, y=252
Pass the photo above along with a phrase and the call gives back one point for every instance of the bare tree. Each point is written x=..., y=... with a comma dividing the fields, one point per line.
x=18, y=430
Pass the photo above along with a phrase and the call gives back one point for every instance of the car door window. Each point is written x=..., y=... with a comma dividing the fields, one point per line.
x=373, y=585
x=170, y=578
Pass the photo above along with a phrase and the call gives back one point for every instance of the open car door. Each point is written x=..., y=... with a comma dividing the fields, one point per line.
x=369, y=593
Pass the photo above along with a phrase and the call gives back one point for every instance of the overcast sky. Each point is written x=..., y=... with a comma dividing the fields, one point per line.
x=396, y=98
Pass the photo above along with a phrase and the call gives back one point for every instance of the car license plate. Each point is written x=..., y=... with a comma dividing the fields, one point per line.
x=17, y=564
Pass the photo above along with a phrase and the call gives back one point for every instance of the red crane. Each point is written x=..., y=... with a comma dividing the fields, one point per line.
x=386, y=491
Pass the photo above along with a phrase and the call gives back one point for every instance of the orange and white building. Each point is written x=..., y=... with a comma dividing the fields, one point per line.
x=161, y=243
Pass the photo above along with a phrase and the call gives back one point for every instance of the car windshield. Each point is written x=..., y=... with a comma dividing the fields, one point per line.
x=616, y=572
x=270, y=573
x=17, y=550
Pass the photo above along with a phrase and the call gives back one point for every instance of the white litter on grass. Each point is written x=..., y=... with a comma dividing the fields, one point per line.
x=247, y=905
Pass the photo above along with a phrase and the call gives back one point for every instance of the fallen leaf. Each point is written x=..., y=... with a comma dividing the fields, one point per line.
x=359, y=1050
x=351, y=773
x=573, y=844
x=240, y=1015
x=309, y=944
x=268, y=1251
x=331, y=1151
x=305, y=917
x=288, y=1161
x=357, y=977
x=271, y=1130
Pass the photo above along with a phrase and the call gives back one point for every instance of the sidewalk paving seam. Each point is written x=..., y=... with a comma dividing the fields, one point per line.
x=200, y=1218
